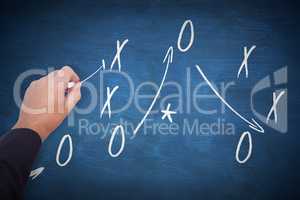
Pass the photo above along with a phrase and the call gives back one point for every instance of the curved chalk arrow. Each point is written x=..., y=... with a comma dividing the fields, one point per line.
x=254, y=125
x=35, y=173
x=169, y=59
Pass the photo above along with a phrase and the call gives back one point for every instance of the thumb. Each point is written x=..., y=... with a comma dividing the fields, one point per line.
x=72, y=98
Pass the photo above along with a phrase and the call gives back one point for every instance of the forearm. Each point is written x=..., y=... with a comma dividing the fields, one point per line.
x=18, y=149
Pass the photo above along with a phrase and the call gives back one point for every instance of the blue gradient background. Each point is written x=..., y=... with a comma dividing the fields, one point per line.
x=78, y=33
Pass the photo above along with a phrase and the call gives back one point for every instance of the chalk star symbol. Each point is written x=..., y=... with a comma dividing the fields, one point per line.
x=168, y=113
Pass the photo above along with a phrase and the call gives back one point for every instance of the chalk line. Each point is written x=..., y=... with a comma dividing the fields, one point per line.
x=255, y=126
x=169, y=58
x=71, y=84
x=109, y=95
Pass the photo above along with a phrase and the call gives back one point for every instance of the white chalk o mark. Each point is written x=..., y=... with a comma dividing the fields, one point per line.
x=112, y=139
x=59, y=150
x=237, y=152
x=181, y=33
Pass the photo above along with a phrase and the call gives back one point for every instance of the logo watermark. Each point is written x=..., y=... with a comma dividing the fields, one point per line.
x=189, y=99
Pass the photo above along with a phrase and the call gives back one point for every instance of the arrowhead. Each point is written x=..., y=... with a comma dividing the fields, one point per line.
x=169, y=55
x=256, y=126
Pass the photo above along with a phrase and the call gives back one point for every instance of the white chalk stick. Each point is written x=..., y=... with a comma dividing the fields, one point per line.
x=71, y=84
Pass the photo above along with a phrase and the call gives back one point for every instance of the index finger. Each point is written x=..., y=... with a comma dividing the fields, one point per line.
x=68, y=74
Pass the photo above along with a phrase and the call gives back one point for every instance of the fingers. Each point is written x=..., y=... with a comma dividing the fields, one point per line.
x=64, y=76
x=73, y=97
x=68, y=75
x=57, y=81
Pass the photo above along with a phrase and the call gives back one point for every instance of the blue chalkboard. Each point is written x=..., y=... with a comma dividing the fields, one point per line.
x=192, y=157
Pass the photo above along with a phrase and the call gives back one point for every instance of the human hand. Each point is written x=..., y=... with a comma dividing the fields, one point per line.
x=48, y=101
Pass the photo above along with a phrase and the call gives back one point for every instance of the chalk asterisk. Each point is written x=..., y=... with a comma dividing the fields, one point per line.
x=168, y=113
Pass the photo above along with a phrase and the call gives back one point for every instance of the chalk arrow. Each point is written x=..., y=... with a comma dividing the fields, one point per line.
x=169, y=56
x=253, y=125
x=35, y=173
x=169, y=59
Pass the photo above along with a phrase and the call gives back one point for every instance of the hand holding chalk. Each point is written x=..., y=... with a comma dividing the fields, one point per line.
x=37, y=96
x=71, y=84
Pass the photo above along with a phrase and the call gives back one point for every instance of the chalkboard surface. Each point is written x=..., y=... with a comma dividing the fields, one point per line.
x=248, y=51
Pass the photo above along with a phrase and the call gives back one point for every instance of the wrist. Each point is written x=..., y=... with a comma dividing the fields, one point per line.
x=32, y=126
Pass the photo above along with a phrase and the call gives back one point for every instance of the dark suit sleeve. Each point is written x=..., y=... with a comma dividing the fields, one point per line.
x=18, y=149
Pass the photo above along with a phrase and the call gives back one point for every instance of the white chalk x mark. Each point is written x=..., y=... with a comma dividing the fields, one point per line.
x=109, y=95
x=244, y=64
x=118, y=54
x=274, y=106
